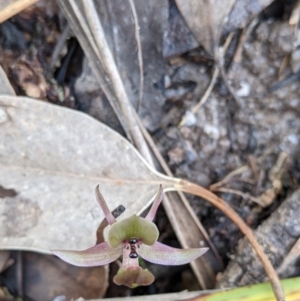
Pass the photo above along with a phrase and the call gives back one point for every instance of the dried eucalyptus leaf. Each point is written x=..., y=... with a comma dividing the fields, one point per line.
x=205, y=19
x=52, y=158
x=243, y=12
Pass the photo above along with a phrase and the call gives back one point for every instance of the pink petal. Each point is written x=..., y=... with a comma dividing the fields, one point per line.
x=100, y=199
x=100, y=254
x=151, y=214
x=165, y=255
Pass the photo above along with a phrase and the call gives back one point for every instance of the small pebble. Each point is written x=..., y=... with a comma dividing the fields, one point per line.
x=244, y=90
x=190, y=118
x=176, y=155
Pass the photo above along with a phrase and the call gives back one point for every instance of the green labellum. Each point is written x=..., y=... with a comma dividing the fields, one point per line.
x=133, y=227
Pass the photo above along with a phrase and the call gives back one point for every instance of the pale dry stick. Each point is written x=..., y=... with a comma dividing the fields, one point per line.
x=211, y=85
x=237, y=57
x=227, y=43
x=283, y=66
x=15, y=8
x=139, y=49
x=195, y=189
x=116, y=81
x=242, y=194
x=295, y=15
x=253, y=166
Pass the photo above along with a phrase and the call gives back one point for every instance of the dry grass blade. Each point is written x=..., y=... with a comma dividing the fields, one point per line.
x=84, y=21
x=114, y=76
x=139, y=49
x=115, y=79
x=15, y=8
x=189, y=187
x=78, y=24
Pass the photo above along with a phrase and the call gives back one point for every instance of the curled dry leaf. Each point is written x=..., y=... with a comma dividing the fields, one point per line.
x=52, y=158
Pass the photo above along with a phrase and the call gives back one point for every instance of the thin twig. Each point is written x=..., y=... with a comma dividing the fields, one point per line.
x=242, y=194
x=232, y=174
x=140, y=55
x=15, y=8
x=237, y=57
x=211, y=85
x=237, y=171
x=59, y=45
x=204, y=97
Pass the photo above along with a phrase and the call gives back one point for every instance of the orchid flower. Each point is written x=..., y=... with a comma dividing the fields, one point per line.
x=131, y=237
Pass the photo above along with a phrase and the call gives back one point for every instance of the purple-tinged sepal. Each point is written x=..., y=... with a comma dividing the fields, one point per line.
x=100, y=199
x=159, y=197
x=165, y=255
x=100, y=254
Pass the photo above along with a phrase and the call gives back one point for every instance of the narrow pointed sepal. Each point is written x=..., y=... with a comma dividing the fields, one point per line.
x=100, y=254
x=165, y=255
x=100, y=199
x=133, y=277
x=156, y=203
